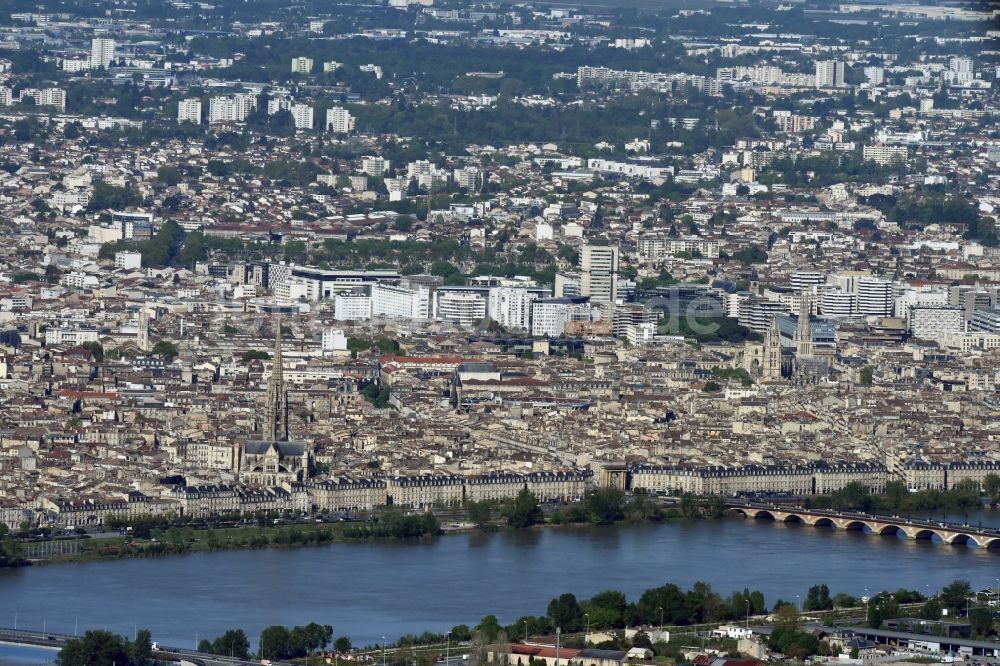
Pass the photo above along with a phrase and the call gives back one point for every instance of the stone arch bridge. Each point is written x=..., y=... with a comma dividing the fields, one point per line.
x=950, y=533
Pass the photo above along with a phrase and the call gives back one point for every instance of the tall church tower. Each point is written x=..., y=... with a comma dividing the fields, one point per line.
x=803, y=331
x=143, y=334
x=771, y=368
x=276, y=423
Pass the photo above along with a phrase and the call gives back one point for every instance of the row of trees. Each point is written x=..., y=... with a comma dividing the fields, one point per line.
x=278, y=642
x=598, y=507
x=897, y=499
x=11, y=554
x=395, y=524
x=103, y=648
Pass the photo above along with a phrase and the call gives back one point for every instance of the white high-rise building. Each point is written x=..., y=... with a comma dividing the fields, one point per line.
x=374, y=166
x=599, y=268
x=875, y=75
x=467, y=177
x=46, y=97
x=352, y=307
x=334, y=340
x=935, y=323
x=467, y=308
x=234, y=109
x=401, y=302
x=874, y=296
x=961, y=70
x=837, y=304
x=340, y=121
x=829, y=74
x=102, y=53
x=511, y=307
x=549, y=316
x=302, y=65
x=189, y=110
x=302, y=114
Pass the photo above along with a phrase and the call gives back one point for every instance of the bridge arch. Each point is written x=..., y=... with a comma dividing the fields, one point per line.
x=823, y=521
x=890, y=530
x=794, y=518
x=925, y=534
x=986, y=542
x=856, y=525
x=961, y=540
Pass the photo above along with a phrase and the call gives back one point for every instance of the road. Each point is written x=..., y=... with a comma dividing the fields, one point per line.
x=57, y=641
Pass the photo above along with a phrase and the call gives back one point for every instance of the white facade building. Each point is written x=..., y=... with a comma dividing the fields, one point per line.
x=936, y=323
x=102, y=53
x=401, y=302
x=189, y=110
x=829, y=74
x=599, y=267
x=549, y=316
x=511, y=307
x=128, y=260
x=467, y=308
x=874, y=296
x=352, y=307
x=340, y=121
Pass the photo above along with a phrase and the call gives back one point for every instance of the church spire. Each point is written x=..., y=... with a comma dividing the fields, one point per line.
x=276, y=425
x=772, y=352
x=803, y=331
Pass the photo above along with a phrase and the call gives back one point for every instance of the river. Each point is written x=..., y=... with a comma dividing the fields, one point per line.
x=370, y=590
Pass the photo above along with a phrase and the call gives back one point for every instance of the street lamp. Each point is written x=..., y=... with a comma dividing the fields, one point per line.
x=660, y=608
x=447, y=647
x=558, y=632
x=748, y=615
x=383, y=651
x=587, y=636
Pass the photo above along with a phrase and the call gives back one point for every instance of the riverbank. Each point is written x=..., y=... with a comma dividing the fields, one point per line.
x=305, y=535
x=367, y=589
x=375, y=527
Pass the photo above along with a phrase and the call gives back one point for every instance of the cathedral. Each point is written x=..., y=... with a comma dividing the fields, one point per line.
x=771, y=361
x=274, y=459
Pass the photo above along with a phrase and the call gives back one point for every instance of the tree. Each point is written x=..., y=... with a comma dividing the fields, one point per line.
x=254, y=354
x=479, y=649
x=955, y=596
x=818, y=598
x=94, y=648
x=232, y=643
x=523, y=511
x=880, y=608
x=991, y=486
x=981, y=620
x=786, y=618
x=605, y=505
x=931, y=610
x=565, y=613
x=275, y=643
x=480, y=513
x=606, y=609
x=166, y=349
x=140, y=650
x=342, y=644
x=488, y=627
x=168, y=175
x=96, y=349
x=866, y=375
